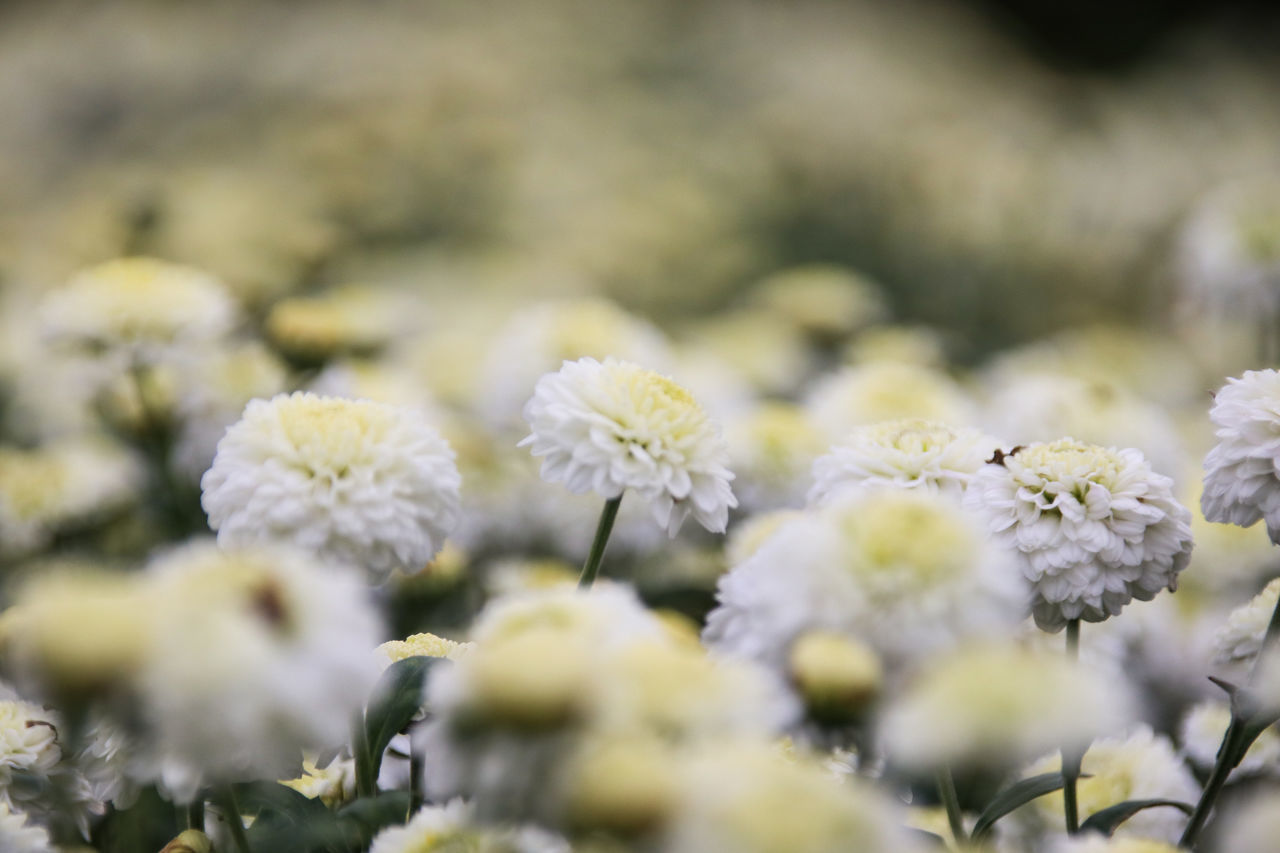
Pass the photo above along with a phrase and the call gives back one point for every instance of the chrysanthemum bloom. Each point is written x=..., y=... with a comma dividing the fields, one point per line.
x=1095, y=527
x=257, y=654
x=771, y=448
x=48, y=490
x=612, y=426
x=907, y=454
x=1092, y=842
x=1200, y=734
x=451, y=827
x=747, y=797
x=1242, y=471
x=1141, y=766
x=28, y=745
x=823, y=300
x=350, y=480
x=423, y=645
x=18, y=835
x=543, y=336
x=1240, y=639
x=333, y=785
x=353, y=319
x=996, y=705
x=138, y=306
x=907, y=571
x=885, y=391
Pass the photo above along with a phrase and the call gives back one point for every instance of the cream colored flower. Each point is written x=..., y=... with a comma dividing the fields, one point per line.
x=906, y=454
x=423, y=645
x=992, y=705
x=1141, y=766
x=256, y=655
x=140, y=306
x=332, y=785
x=886, y=391
x=1094, y=527
x=612, y=426
x=1242, y=481
x=29, y=744
x=17, y=835
x=351, y=480
x=824, y=300
x=347, y=320
x=771, y=449
x=1240, y=639
x=1201, y=733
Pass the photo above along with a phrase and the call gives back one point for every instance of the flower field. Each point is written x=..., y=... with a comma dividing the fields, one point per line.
x=698, y=427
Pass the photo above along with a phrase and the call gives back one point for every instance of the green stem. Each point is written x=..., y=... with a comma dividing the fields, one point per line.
x=951, y=800
x=366, y=785
x=225, y=799
x=195, y=814
x=417, y=769
x=592, y=567
x=1071, y=759
x=1235, y=743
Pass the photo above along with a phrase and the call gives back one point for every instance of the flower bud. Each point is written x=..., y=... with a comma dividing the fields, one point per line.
x=839, y=677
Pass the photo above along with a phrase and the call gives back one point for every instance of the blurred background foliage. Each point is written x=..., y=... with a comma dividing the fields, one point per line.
x=1003, y=168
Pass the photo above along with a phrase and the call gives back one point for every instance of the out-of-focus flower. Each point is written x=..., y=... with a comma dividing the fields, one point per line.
x=771, y=449
x=747, y=798
x=1242, y=482
x=1141, y=766
x=1227, y=556
x=61, y=486
x=907, y=571
x=1200, y=734
x=1043, y=407
x=1254, y=826
x=352, y=480
x=540, y=338
x=433, y=828
x=822, y=300
x=837, y=677
x=885, y=391
x=1092, y=842
x=1095, y=527
x=257, y=655
x=770, y=356
x=140, y=307
x=611, y=426
x=750, y=533
x=77, y=634
x=625, y=786
x=1240, y=639
x=905, y=454
x=332, y=785
x=919, y=345
x=996, y=705
x=19, y=836
x=351, y=320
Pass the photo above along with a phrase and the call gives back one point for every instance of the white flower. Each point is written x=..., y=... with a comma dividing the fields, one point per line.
x=333, y=785
x=611, y=426
x=904, y=453
x=908, y=571
x=28, y=744
x=986, y=705
x=17, y=836
x=1242, y=471
x=1240, y=639
x=350, y=480
x=1141, y=766
x=1095, y=527
x=771, y=447
x=256, y=655
x=44, y=491
x=1092, y=842
x=1201, y=734
x=539, y=338
x=432, y=828
x=139, y=306
x=885, y=391
x=747, y=797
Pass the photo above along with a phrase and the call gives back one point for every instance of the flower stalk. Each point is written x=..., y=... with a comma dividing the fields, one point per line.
x=224, y=798
x=1071, y=758
x=951, y=801
x=592, y=566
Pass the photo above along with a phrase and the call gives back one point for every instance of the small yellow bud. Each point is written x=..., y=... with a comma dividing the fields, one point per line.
x=190, y=841
x=623, y=787
x=536, y=679
x=837, y=675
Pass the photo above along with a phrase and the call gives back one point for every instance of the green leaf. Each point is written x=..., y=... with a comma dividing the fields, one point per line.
x=1106, y=820
x=288, y=821
x=1016, y=795
x=396, y=699
x=367, y=816
x=148, y=824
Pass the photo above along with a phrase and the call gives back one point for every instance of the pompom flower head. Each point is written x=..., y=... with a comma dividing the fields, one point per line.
x=611, y=426
x=909, y=453
x=1242, y=471
x=1095, y=527
x=355, y=481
